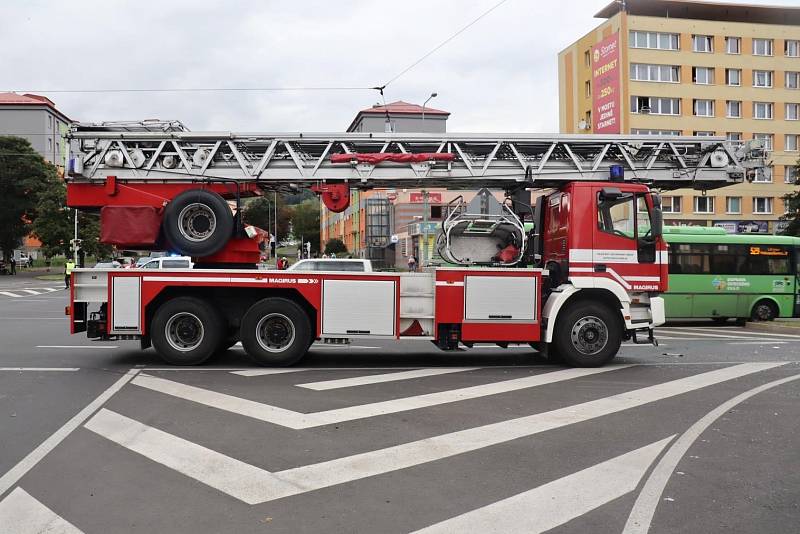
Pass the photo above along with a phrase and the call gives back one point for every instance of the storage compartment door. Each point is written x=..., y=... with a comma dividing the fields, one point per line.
x=358, y=307
x=500, y=298
x=126, y=301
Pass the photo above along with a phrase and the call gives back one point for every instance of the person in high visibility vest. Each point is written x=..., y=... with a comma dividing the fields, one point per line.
x=68, y=272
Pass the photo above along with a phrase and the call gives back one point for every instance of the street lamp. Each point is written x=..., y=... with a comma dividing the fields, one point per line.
x=433, y=95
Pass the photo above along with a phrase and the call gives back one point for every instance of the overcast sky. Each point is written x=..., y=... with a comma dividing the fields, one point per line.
x=499, y=75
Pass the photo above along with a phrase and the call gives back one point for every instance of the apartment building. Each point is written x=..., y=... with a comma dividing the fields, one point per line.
x=674, y=67
x=35, y=118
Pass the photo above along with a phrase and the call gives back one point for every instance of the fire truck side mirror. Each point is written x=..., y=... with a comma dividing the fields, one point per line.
x=657, y=222
x=611, y=193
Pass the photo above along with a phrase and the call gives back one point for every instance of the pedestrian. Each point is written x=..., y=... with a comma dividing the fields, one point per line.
x=13, y=265
x=412, y=263
x=68, y=272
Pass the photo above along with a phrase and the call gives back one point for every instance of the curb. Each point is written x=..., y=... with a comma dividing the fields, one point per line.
x=776, y=326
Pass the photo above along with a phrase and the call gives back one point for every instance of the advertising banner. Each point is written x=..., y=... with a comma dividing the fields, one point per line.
x=433, y=198
x=752, y=227
x=606, y=112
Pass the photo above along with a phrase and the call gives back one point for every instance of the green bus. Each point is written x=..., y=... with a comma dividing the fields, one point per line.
x=721, y=276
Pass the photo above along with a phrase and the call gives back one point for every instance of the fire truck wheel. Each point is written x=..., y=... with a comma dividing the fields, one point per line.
x=186, y=331
x=588, y=334
x=275, y=332
x=198, y=223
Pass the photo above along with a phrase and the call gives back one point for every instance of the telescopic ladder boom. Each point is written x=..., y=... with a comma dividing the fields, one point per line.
x=166, y=152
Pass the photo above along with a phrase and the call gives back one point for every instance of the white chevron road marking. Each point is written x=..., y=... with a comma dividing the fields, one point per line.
x=559, y=501
x=255, y=485
x=381, y=378
x=21, y=513
x=298, y=420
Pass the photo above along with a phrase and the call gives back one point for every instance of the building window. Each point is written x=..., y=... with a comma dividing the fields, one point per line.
x=703, y=75
x=792, y=112
x=643, y=72
x=763, y=175
x=704, y=204
x=733, y=109
x=790, y=174
x=703, y=108
x=655, y=40
x=793, y=80
x=790, y=143
x=646, y=131
x=588, y=120
x=671, y=204
x=762, y=47
x=762, y=78
x=702, y=43
x=733, y=76
x=733, y=45
x=735, y=138
x=656, y=105
x=703, y=133
x=587, y=58
x=762, y=205
x=765, y=138
x=791, y=48
x=762, y=110
x=588, y=89
x=733, y=205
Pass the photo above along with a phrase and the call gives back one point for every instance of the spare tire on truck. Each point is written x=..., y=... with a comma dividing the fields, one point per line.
x=198, y=223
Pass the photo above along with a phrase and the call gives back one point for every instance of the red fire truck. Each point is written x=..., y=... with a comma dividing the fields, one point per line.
x=586, y=276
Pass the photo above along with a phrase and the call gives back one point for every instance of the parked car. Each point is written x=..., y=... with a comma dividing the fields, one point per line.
x=24, y=260
x=352, y=265
x=168, y=262
x=107, y=265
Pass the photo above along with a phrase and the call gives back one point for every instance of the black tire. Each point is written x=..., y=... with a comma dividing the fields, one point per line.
x=764, y=310
x=588, y=334
x=275, y=332
x=198, y=223
x=186, y=331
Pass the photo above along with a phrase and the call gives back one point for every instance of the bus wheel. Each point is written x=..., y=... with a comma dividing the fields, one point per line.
x=186, y=331
x=764, y=310
x=275, y=332
x=198, y=223
x=588, y=334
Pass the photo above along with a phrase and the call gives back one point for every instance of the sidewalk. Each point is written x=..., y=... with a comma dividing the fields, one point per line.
x=791, y=326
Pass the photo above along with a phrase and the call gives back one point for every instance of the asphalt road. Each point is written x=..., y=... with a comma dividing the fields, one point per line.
x=697, y=435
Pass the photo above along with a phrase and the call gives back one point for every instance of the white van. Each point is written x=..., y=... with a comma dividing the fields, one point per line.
x=169, y=262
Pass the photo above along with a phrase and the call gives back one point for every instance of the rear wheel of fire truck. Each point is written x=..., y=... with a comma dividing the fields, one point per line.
x=186, y=331
x=588, y=334
x=275, y=332
x=198, y=223
x=764, y=310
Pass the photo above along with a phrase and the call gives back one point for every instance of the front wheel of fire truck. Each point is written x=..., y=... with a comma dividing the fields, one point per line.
x=275, y=332
x=198, y=223
x=186, y=331
x=588, y=334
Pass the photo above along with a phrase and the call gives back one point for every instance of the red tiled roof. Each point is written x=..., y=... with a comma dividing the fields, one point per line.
x=403, y=107
x=28, y=99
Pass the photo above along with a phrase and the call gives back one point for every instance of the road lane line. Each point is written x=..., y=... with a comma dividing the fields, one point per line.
x=379, y=379
x=762, y=342
x=77, y=346
x=645, y=506
x=30, y=291
x=26, y=464
x=748, y=332
x=298, y=420
x=233, y=477
x=266, y=486
x=264, y=372
x=40, y=369
x=10, y=294
x=555, y=503
x=21, y=513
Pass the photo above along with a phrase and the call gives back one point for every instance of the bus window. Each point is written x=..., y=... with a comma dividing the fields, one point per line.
x=689, y=259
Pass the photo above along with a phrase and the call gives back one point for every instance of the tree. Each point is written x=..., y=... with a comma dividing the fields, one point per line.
x=305, y=222
x=793, y=206
x=260, y=212
x=54, y=225
x=24, y=175
x=335, y=246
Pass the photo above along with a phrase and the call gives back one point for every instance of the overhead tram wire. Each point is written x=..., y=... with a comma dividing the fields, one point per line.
x=195, y=89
